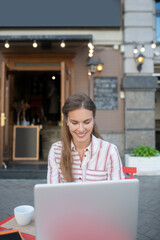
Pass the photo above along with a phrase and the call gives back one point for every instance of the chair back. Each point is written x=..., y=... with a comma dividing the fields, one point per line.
x=130, y=171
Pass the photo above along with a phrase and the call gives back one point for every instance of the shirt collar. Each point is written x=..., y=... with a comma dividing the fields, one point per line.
x=92, y=146
x=72, y=146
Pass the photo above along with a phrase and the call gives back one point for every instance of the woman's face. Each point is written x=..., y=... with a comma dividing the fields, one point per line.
x=80, y=123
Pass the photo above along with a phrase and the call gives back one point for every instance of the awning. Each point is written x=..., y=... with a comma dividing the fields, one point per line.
x=60, y=14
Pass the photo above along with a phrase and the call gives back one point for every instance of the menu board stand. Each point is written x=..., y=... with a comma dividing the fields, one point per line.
x=26, y=143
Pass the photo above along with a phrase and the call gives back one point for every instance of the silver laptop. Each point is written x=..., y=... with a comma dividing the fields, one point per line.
x=105, y=210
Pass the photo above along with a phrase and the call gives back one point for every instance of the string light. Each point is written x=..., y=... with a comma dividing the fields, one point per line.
x=153, y=45
x=35, y=44
x=6, y=44
x=91, y=51
x=135, y=50
x=62, y=44
x=90, y=55
x=90, y=45
x=143, y=48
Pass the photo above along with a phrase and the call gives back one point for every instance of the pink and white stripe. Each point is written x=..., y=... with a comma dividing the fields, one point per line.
x=101, y=161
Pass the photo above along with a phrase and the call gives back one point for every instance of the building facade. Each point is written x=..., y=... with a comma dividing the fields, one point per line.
x=124, y=93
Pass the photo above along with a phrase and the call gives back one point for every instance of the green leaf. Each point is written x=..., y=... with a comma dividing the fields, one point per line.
x=145, y=151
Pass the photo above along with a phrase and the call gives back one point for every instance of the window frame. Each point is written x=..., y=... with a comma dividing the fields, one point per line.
x=157, y=13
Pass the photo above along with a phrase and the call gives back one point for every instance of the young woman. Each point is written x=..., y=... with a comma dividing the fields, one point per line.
x=82, y=155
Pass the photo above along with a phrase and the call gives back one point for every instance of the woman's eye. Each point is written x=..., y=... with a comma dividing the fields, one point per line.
x=87, y=122
x=74, y=123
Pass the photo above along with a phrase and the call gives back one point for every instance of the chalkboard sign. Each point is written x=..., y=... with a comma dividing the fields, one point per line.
x=26, y=143
x=106, y=93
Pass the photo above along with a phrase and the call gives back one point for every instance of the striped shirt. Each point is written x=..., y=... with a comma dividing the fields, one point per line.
x=101, y=161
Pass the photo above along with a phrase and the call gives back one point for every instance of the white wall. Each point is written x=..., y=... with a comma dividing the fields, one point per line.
x=139, y=28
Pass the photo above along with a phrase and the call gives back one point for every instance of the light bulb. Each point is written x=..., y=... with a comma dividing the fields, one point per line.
x=90, y=54
x=62, y=44
x=35, y=45
x=92, y=47
x=6, y=44
x=91, y=51
x=53, y=77
x=140, y=58
x=142, y=48
x=99, y=67
x=135, y=50
x=153, y=45
x=90, y=44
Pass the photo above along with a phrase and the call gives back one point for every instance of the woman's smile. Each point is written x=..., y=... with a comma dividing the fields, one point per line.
x=81, y=135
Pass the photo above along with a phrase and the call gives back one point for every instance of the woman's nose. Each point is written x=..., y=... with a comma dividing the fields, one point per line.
x=81, y=127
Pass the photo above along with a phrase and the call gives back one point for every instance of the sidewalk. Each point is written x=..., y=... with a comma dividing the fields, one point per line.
x=14, y=192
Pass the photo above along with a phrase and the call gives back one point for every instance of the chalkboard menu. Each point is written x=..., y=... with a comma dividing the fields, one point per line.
x=106, y=93
x=26, y=143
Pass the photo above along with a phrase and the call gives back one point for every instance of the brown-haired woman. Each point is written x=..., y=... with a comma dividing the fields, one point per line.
x=82, y=155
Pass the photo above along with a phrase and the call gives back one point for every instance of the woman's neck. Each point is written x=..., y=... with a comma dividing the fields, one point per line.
x=81, y=146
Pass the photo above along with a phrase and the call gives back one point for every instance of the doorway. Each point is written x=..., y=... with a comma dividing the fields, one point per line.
x=38, y=92
x=29, y=80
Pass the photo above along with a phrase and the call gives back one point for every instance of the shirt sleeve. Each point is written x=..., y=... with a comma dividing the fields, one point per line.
x=114, y=168
x=52, y=173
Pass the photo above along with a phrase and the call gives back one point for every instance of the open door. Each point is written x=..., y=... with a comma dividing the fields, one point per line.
x=65, y=84
x=4, y=115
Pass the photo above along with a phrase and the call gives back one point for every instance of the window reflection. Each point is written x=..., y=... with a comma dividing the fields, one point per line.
x=157, y=21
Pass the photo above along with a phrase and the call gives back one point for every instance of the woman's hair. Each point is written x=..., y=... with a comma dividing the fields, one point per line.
x=76, y=101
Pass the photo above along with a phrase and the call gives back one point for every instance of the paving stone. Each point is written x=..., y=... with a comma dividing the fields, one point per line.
x=142, y=237
x=152, y=233
x=157, y=237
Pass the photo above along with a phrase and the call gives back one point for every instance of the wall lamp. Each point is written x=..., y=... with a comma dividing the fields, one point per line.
x=94, y=66
x=139, y=57
x=99, y=65
x=140, y=61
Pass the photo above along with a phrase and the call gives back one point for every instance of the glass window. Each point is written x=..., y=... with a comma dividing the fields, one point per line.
x=158, y=21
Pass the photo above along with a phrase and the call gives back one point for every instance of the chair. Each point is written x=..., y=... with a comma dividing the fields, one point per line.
x=130, y=171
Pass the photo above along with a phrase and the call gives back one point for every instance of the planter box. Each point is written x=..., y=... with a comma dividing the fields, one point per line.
x=144, y=165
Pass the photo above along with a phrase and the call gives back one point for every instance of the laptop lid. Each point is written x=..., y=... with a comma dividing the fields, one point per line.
x=87, y=211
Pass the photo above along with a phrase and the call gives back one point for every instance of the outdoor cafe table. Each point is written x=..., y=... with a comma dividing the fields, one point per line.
x=28, y=231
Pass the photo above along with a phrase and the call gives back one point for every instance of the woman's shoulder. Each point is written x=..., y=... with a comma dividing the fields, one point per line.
x=57, y=145
x=104, y=143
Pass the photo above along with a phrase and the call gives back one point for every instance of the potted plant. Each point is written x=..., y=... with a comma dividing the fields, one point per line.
x=145, y=158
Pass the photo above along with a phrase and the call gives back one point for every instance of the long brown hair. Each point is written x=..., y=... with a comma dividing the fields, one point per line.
x=76, y=101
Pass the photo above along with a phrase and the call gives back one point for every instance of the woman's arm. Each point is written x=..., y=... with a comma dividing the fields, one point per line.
x=114, y=168
x=52, y=173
